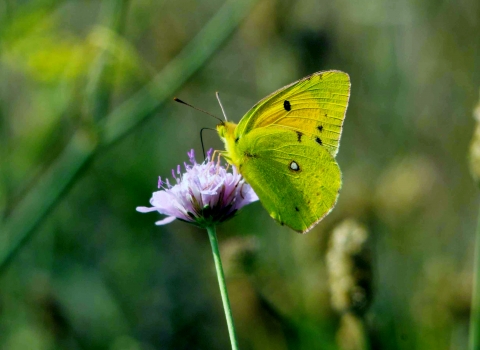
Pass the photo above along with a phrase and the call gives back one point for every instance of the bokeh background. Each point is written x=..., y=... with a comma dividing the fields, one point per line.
x=87, y=124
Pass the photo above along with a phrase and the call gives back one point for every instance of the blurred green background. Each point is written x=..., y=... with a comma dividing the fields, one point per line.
x=87, y=124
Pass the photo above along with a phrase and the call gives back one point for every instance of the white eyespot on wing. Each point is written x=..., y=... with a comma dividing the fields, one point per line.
x=294, y=166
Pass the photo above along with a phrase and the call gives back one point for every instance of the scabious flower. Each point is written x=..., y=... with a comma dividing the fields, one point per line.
x=205, y=194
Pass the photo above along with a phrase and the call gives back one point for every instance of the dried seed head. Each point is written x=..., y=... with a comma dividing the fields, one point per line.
x=349, y=268
x=475, y=147
x=352, y=334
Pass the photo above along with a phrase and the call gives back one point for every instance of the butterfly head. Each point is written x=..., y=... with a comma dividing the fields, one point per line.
x=226, y=132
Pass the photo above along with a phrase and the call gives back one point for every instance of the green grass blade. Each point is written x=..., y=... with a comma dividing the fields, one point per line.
x=36, y=205
x=176, y=73
x=34, y=208
x=474, y=336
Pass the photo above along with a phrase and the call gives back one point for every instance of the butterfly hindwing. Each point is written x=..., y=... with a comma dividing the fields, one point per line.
x=296, y=179
x=314, y=106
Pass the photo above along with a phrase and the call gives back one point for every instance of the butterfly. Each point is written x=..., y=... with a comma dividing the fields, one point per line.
x=285, y=148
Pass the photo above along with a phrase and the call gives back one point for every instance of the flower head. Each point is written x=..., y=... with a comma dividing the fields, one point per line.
x=204, y=194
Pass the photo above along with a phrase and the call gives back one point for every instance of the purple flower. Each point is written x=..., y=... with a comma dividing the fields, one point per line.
x=205, y=194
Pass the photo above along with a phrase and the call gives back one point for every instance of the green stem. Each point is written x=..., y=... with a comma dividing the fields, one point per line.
x=475, y=313
x=223, y=287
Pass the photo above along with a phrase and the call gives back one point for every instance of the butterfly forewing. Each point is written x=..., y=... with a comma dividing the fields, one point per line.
x=313, y=107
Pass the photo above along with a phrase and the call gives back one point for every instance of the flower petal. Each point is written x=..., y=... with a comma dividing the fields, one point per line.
x=248, y=194
x=165, y=221
x=145, y=209
x=163, y=202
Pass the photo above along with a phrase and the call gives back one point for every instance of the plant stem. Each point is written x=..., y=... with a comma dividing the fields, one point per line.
x=475, y=313
x=223, y=287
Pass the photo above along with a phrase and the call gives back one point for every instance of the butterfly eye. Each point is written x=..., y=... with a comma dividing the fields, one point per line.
x=294, y=166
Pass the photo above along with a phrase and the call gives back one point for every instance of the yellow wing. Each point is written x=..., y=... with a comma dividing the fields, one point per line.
x=314, y=107
x=298, y=183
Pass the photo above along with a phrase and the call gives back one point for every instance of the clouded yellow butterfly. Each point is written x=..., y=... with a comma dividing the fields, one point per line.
x=285, y=147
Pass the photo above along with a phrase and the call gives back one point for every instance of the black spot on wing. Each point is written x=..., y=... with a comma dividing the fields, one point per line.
x=318, y=140
x=320, y=128
x=250, y=155
x=287, y=105
x=299, y=136
x=296, y=208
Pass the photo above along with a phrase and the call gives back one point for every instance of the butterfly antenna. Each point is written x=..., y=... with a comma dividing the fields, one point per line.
x=198, y=109
x=201, y=140
x=221, y=106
